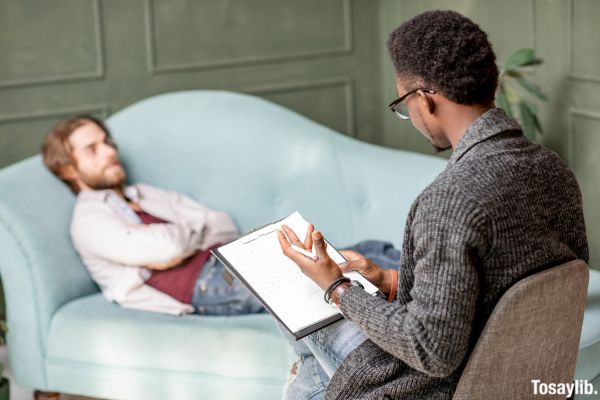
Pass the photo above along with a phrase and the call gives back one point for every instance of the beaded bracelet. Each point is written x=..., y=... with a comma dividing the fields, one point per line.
x=331, y=288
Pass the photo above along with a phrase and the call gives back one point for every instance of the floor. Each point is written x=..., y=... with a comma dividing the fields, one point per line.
x=19, y=393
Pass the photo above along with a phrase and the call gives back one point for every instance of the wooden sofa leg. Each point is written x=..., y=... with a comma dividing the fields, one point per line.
x=39, y=395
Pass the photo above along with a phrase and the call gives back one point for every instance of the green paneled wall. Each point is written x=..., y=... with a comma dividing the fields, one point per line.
x=65, y=57
x=323, y=58
x=564, y=33
x=493, y=16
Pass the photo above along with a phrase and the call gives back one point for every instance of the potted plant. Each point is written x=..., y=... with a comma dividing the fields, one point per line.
x=515, y=91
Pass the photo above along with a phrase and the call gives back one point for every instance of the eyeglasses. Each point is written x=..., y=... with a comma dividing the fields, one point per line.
x=399, y=108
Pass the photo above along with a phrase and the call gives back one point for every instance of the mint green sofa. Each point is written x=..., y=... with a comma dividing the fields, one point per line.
x=254, y=159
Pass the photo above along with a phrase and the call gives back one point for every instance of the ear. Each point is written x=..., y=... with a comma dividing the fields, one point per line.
x=69, y=173
x=427, y=101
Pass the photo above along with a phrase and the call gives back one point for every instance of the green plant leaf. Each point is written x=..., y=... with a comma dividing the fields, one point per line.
x=531, y=106
x=527, y=120
x=536, y=121
x=531, y=88
x=534, y=61
x=513, y=73
x=512, y=95
x=534, y=111
x=520, y=58
x=502, y=100
x=515, y=91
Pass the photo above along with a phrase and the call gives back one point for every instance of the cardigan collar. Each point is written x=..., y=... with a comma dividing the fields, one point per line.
x=490, y=123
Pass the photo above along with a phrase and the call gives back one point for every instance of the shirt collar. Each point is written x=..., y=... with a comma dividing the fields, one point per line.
x=131, y=192
x=117, y=203
x=490, y=123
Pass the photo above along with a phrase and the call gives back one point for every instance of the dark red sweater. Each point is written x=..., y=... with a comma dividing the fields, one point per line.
x=178, y=282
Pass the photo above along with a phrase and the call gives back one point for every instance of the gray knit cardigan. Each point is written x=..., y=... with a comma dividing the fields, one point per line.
x=503, y=208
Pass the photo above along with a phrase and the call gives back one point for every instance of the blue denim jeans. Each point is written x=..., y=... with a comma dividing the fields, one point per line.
x=322, y=352
x=214, y=296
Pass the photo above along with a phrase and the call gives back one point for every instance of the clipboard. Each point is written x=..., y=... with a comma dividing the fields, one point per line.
x=256, y=259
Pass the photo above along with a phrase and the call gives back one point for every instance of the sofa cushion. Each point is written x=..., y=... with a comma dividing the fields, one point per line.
x=93, y=331
x=588, y=362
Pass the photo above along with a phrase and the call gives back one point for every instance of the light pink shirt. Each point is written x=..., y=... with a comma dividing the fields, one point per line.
x=114, y=246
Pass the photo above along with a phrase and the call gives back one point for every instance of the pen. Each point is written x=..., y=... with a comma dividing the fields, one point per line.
x=304, y=252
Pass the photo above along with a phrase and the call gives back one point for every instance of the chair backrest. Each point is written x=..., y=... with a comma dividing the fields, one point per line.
x=532, y=334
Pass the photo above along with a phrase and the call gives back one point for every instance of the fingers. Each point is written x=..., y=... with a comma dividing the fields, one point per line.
x=287, y=247
x=166, y=265
x=293, y=238
x=323, y=271
x=300, y=259
x=283, y=241
x=291, y=235
x=320, y=245
x=308, y=242
x=360, y=265
x=351, y=255
x=346, y=266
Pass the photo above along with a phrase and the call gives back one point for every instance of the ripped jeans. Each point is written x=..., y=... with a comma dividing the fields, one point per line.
x=214, y=296
x=322, y=352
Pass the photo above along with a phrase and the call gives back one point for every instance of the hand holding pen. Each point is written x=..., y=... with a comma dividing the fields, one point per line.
x=321, y=269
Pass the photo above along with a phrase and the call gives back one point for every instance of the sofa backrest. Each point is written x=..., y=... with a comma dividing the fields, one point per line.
x=260, y=162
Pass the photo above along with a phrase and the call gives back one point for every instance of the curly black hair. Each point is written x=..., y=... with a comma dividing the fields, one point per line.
x=448, y=52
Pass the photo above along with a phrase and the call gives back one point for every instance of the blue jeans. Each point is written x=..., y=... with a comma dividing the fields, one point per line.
x=214, y=296
x=322, y=352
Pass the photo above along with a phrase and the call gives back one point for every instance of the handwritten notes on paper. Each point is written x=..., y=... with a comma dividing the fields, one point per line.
x=292, y=296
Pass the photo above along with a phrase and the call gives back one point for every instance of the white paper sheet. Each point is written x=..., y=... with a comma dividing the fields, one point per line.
x=295, y=299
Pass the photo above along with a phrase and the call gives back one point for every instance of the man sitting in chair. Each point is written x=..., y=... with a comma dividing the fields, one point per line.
x=504, y=208
x=149, y=248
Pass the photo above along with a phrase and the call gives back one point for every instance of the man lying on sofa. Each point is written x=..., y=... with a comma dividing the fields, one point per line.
x=148, y=248
x=504, y=208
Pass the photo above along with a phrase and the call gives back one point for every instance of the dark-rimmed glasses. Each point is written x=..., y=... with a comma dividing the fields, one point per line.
x=399, y=108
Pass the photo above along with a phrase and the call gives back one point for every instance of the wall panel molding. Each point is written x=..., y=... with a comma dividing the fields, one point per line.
x=533, y=35
x=102, y=109
x=572, y=74
x=533, y=25
x=154, y=68
x=321, y=68
x=98, y=73
x=346, y=83
x=574, y=113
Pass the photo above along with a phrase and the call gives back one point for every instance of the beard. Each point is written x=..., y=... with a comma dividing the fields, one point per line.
x=107, y=179
x=437, y=150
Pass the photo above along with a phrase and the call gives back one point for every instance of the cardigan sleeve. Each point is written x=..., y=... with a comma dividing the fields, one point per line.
x=430, y=332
